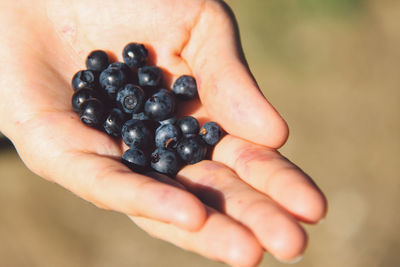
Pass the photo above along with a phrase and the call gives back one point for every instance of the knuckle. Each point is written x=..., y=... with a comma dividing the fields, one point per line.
x=221, y=10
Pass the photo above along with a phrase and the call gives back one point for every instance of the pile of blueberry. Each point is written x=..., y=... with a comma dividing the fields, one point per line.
x=127, y=100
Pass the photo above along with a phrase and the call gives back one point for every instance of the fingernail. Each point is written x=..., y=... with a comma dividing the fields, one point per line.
x=293, y=261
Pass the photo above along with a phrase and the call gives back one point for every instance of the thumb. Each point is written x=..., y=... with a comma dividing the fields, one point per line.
x=227, y=89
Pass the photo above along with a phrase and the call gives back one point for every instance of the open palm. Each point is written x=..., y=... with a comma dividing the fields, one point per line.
x=253, y=196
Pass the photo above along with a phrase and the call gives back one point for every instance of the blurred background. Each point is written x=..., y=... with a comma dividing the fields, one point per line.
x=332, y=68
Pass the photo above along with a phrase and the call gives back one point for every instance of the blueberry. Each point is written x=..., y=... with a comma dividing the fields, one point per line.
x=165, y=161
x=192, y=149
x=124, y=68
x=114, y=121
x=130, y=98
x=185, y=87
x=136, y=160
x=111, y=94
x=84, y=78
x=150, y=76
x=119, y=65
x=140, y=116
x=112, y=77
x=135, y=55
x=167, y=136
x=137, y=135
x=190, y=135
x=211, y=133
x=171, y=120
x=160, y=106
x=165, y=91
x=150, y=124
x=188, y=125
x=150, y=91
x=81, y=96
x=97, y=60
x=92, y=112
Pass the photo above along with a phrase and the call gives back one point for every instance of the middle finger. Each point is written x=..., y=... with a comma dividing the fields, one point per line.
x=220, y=187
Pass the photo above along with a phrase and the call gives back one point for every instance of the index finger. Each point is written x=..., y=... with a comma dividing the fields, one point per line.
x=226, y=87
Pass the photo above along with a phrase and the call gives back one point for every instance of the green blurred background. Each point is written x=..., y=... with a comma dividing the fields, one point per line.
x=332, y=68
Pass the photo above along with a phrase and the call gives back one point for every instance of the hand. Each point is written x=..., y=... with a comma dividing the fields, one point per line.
x=254, y=196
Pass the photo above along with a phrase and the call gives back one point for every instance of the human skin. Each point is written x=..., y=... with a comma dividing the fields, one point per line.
x=261, y=195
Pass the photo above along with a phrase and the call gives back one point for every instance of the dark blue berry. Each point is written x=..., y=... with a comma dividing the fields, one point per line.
x=137, y=135
x=97, y=60
x=150, y=124
x=190, y=135
x=136, y=160
x=188, y=125
x=165, y=161
x=112, y=77
x=130, y=98
x=165, y=91
x=150, y=76
x=140, y=116
x=167, y=136
x=92, y=112
x=150, y=91
x=211, y=133
x=114, y=121
x=124, y=68
x=119, y=65
x=84, y=78
x=185, y=87
x=135, y=55
x=81, y=96
x=171, y=120
x=111, y=94
x=192, y=149
x=160, y=106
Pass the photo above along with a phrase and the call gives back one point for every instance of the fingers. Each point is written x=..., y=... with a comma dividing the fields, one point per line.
x=269, y=172
x=109, y=184
x=87, y=162
x=215, y=184
x=226, y=87
x=219, y=239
